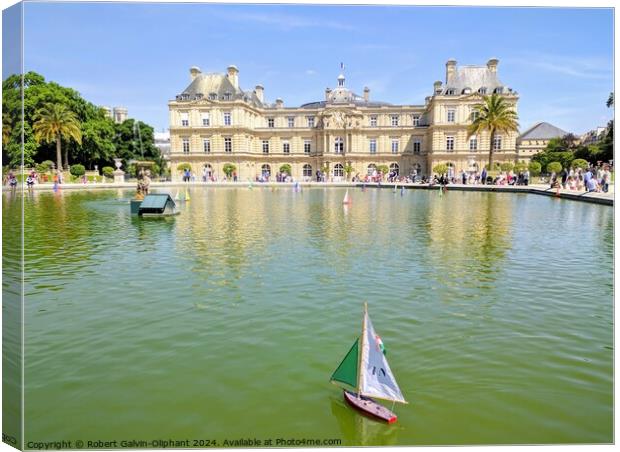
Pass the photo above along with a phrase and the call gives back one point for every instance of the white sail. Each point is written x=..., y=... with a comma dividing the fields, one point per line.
x=376, y=378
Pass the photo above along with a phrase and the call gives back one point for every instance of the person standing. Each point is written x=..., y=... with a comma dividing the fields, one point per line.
x=483, y=176
x=586, y=178
x=564, y=175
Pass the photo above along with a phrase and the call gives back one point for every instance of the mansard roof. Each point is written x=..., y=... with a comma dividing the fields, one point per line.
x=474, y=78
x=542, y=131
x=207, y=84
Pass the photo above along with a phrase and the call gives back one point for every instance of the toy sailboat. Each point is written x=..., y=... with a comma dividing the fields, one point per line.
x=366, y=369
x=347, y=198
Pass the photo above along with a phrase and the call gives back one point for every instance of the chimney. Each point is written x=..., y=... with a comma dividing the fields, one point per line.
x=437, y=87
x=233, y=75
x=260, y=92
x=328, y=91
x=193, y=72
x=492, y=64
x=279, y=103
x=450, y=69
x=366, y=93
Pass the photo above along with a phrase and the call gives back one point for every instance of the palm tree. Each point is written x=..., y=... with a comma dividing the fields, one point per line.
x=53, y=122
x=6, y=128
x=610, y=100
x=493, y=115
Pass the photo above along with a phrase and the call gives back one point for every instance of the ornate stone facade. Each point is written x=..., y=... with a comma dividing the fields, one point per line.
x=214, y=122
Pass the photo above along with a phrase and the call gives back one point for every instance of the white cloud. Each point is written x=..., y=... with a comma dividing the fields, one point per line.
x=311, y=72
x=581, y=67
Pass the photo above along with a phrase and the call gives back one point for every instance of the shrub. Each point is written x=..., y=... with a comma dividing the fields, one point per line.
x=44, y=167
x=520, y=167
x=286, y=168
x=383, y=168
x=554, y=167
x=580, y=163
x=441, y=168
x=108, y=171
x=506, y=166
x=534, y=168
x=228, y=169
x=181, y=167
x=77, y=170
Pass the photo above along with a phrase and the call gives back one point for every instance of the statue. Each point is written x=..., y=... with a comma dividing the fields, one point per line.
x=144, y=180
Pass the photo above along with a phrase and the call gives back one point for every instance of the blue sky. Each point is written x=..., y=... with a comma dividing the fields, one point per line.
x=560, y=61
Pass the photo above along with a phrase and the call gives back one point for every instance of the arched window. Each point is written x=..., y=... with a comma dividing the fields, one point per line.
x=371, y=169
x=208, y=170
x=396, y=168
x=266, y=170
x=338, y=145
x=307, y=170
x=450, y=166
x=338, y=170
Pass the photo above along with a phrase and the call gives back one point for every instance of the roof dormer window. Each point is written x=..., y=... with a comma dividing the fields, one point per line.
x=212, y=96
x=227, y=95
x=184, y=96
x=467, y=91
x=198, y=96
x=499, y=90
x=451, y=92
x=482, y=90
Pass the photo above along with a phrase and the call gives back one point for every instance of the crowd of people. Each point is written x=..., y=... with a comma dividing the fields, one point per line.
x=593, y=179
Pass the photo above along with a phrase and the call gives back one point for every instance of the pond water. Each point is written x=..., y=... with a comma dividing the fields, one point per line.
x=226, y=322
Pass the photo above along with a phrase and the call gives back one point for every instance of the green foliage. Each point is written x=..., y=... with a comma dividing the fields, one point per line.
x=102, y=139
x=286, y=168
x=181, y=167
x=384, y=169
x=520, y=167
x=348, y=169
x=506, y=166
x=554, y=167
x=441, y=168
x=228, y=169
x=580, y=163
x=77, y=170
x=108, y=171
x=535, y=168
x=44, y=167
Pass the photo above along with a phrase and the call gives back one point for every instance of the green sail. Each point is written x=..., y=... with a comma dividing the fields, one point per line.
x=347, y=370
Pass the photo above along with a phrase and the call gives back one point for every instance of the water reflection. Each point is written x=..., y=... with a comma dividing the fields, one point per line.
x=357, y=429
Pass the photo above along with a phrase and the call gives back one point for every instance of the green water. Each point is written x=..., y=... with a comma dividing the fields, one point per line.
x=226, y=322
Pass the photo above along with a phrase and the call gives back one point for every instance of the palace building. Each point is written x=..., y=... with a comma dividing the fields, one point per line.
x=213, y=121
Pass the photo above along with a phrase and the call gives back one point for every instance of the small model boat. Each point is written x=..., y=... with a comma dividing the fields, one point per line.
x=366, y=369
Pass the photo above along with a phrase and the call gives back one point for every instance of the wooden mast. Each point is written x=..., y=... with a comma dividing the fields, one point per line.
x=361, y=351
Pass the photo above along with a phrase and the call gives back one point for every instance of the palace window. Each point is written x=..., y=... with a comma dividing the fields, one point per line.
x=265, y=146
x=473, y=144
x=338, y=145
x=286, y=147
x=185, y=119
x=212, y=96
x=450, y=143
x=185, y=145
x=206, y=121
x=307, y=146
x=227, y=95
x=307, y=170
x=451, y=114
x=395, y=168
x=206, y=145
x=291, y=121
x=482, y=90
x=395, y=119
x=271, y=123
x=310, y=121
x=227, y=119
x=395, y=142
x=415, y=119
x=417, y=145
x=451, y=92
x=228, y=145
x=497, y=142
x=373, y=121
x=474, y=114
x=338, y=170
x=373, y=146
x=372, y=168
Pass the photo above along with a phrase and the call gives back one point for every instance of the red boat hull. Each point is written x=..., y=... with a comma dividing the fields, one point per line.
x=368, y=406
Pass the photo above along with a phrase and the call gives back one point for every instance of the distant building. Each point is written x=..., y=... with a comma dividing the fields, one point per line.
x=536, y=138
x=593, y=136
x=118, y=114
x=162, y=142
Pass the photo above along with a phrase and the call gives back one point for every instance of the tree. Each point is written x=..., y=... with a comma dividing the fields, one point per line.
x=506, y=166
x=520, y=167
x=181, y=167
x=610, y=100
x=440, y=168
x=493, y=115
x=348, y=169
x=77, y=170
x=6, y=128
x=228, y=169
x=534, y=168
x=580, y=163
x=383, y=169
x=286, y=168
x=55, y=122
x=554, y=167
x=108, y=172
